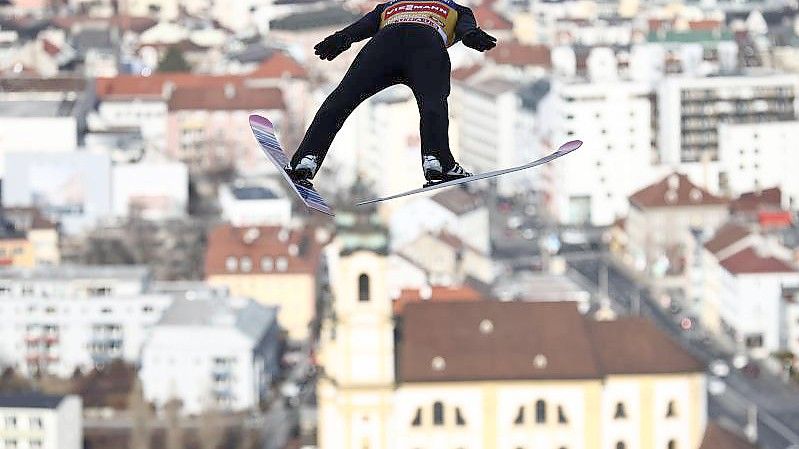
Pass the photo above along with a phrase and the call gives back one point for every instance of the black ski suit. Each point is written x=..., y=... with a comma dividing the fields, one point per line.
x=409, y=47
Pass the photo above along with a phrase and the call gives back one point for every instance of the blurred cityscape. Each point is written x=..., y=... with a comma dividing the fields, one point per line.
x=161, y=288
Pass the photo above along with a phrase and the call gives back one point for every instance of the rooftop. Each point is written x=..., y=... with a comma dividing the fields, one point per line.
x=39, y=108
x=520, y=340
x=454, y=293
x=29, y=400
x=517, y=54
x=325, y=18
x=725, y=236
x=225, y=98
x=298, y=246
x=71, y=272
x=253, y=193
x=749, y=261
x=249, y=317
x=674, y=190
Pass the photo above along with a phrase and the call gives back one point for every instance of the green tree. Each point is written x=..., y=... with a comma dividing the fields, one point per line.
x=173, y=61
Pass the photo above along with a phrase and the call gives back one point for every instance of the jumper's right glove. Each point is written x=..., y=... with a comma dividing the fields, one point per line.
x=479, y=40
x=332, y=46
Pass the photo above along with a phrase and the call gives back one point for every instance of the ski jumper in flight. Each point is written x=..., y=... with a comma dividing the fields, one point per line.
x=408, y=46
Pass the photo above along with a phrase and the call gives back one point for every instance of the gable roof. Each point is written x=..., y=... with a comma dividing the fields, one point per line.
x=30, y=400
x=129, y=86
x=437, y=293
x=225, y=98
x=298, y=246
x=755, y=201
x=520, y=55
x=278, y=65
x=674, y=190
x=725, y=236
x=748, y=261
x=522, y=340
x=488, y=19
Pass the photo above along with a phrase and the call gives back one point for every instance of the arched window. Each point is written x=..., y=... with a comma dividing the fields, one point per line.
x=621, y=445
x=459, y=421
x=417, y=418
x=438, y=414
x=519, y=416
x=620, y=412
x=363, y=288
x=562, y=419
x=671, y=410
x=540, y=411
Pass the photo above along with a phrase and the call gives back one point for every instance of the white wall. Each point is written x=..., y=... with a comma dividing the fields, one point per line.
x=162, y=187
x=760, y=155
x=614, y=122
x=171, y=349
x=36, y=134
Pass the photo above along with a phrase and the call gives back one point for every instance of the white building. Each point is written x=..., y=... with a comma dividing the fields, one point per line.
x=58, y=319
x=72, y=188
x=691, y=112
x=614, y=121
x=252, y=203
x=751, y=299
x=151, y=190
x=754, y=156
x=495, y=130
x=212, y=352
x=455, y=210
x=37, y=421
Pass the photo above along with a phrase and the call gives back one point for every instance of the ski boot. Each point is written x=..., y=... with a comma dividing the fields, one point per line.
x=304, y=171
x=434, y=174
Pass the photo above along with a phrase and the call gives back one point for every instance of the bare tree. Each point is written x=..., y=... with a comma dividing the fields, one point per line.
x=211, y=430
x=174, y=433
x=140, y=412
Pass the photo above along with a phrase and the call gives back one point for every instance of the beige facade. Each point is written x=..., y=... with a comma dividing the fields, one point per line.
x=293, y=293
x=363, y=405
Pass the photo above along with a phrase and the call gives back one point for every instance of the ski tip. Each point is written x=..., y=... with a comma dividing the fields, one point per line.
x=570, y=146
x=255, y=118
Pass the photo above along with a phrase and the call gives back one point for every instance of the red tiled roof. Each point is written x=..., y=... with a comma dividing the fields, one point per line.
x=704, y=25
x=516, y=54
x=459, y=293
x=529, y=340
x=257, y=242
x=50, y=48
x=674, y=190
x=225, y=98
x=748, y=261
x=726, y=236
x=755, y=201
x=464, y=73
x=278, y=65
x=153, y=86
x=488, y=19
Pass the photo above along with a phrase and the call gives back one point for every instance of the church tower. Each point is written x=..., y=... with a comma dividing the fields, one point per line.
x=356, y=351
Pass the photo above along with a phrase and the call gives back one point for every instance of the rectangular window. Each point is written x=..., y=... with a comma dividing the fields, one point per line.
x=36, y=423
x=11, y=422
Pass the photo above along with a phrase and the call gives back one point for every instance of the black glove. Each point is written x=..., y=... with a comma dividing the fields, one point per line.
x=479, y=40
x=332, y=46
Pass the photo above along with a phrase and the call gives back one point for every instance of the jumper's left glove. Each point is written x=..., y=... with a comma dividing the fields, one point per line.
x=332, y=46
x=479, y=40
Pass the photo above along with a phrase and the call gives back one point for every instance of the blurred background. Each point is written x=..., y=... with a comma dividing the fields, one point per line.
x=161, y=288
